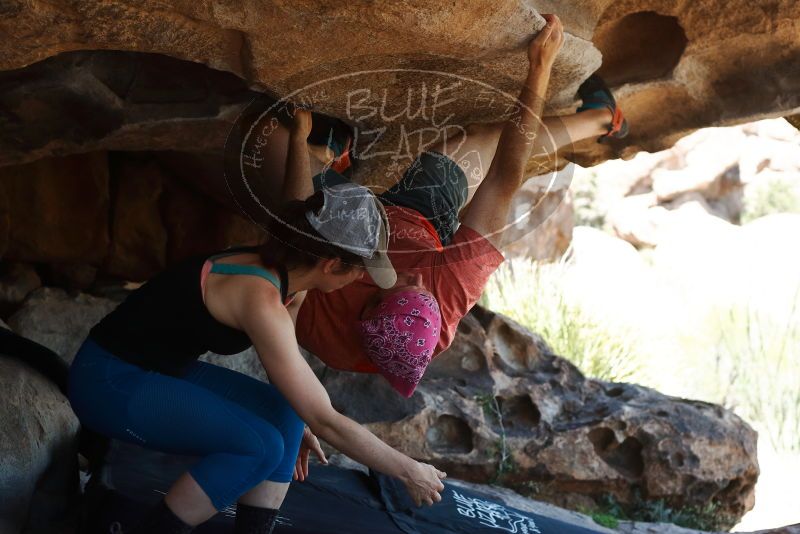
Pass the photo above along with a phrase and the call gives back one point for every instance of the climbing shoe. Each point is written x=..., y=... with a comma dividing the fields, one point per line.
x=595, y=94
x=334, y=134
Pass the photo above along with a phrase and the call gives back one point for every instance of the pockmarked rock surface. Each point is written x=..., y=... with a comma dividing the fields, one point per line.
x=676, y=66
x=498, y=405
x=38, y=452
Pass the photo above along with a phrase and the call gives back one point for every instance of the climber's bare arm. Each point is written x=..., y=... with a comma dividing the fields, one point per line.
x=488, y=210
x=298, y=185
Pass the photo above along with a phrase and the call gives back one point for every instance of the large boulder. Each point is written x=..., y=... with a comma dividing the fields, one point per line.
x=105, y=99
x=126, y=215
x=707, y=179
x=38, y=453
x=498, y=405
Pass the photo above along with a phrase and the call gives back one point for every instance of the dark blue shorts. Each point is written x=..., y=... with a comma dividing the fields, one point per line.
x=243, y=431
x=433, y=185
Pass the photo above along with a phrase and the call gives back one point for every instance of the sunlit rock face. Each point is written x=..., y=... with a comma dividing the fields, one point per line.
x=418, y=66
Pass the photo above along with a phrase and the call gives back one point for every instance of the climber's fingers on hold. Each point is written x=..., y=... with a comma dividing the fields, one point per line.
x=545, y=33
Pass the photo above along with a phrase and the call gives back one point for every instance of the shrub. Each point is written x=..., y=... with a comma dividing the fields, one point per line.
x=707, y=518
x=757, y=358
x=772, y=196
x=533, y=295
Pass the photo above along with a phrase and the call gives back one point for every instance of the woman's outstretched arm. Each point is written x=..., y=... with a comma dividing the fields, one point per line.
x=269, y=325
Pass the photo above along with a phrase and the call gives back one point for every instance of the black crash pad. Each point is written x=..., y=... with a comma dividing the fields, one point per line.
x=331, y=501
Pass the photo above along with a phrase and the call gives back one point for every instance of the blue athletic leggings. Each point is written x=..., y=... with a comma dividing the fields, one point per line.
x=244, y=430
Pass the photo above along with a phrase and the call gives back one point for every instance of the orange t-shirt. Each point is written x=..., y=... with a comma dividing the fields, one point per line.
x=328, y=323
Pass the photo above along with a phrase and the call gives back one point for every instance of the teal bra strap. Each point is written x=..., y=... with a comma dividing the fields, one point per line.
x=233, y=268
x=233, y=251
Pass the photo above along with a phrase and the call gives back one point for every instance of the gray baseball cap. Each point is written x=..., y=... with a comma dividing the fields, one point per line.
x=353, y=218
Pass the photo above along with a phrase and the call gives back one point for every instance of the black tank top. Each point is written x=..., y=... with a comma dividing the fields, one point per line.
x=164, y=325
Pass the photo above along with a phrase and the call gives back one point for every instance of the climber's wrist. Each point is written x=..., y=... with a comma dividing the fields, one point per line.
x=537, y=80
x=539, y=67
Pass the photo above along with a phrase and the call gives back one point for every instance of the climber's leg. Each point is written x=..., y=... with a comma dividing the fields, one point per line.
x=473, y=148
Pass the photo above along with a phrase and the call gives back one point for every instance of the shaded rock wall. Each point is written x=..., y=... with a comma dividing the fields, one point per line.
x=67, y=195
x=110, y=100
x=127, y=215
x=99, y=215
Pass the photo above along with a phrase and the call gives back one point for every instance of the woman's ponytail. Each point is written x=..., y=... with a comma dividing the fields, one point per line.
x=294, y=243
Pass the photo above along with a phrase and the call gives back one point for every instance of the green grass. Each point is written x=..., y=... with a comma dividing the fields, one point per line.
x=609, y=512
x=772, y=196
x=491, y=409
x=585, y=186
x=532, y=295
x=757, y=362
x=606, y=520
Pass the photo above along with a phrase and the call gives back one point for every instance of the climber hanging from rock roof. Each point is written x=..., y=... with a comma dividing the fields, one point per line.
x=440, y=258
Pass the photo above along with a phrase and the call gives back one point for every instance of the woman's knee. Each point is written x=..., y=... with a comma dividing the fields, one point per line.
x=253, y=456
x=267, y=449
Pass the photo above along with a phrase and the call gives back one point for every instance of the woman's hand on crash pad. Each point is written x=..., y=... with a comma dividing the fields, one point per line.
x=423, y=483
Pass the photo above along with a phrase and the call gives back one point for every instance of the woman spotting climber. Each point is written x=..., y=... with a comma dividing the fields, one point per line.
x=136, y=377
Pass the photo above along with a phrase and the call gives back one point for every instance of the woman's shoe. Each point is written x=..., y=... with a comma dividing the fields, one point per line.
x=595, y=94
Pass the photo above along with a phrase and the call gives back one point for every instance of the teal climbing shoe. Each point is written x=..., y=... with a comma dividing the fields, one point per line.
x=595, y=94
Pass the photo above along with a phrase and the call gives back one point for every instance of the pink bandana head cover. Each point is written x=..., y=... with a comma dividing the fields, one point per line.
x=400, y=337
